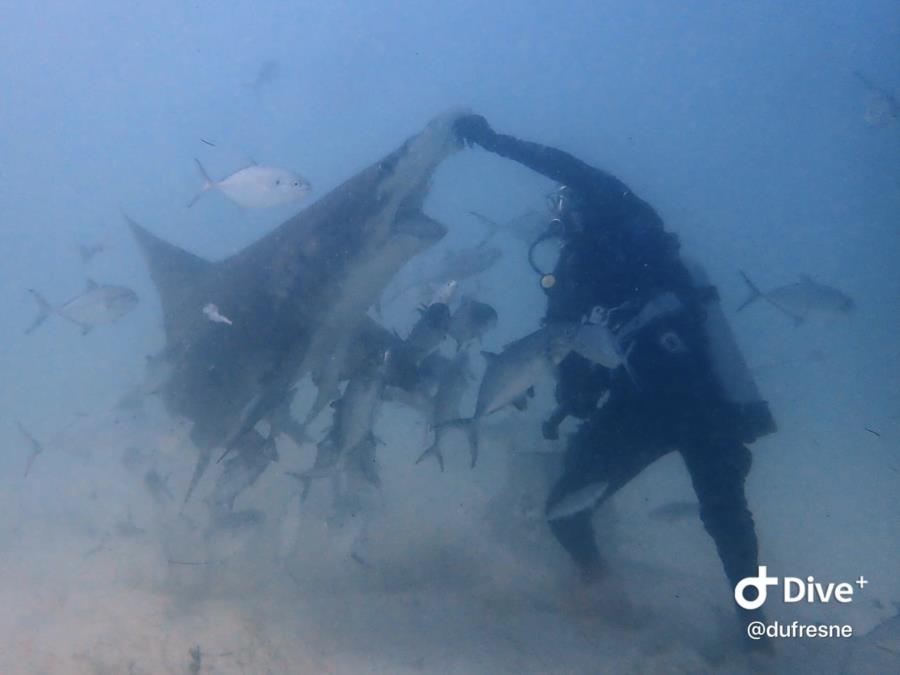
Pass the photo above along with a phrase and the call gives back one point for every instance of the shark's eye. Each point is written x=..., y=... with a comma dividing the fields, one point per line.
x=277, y=181
x=296, y=183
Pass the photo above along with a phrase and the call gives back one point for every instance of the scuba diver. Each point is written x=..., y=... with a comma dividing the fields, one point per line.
x=688, y=389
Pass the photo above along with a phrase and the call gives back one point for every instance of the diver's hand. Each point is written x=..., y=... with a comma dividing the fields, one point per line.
x=472, y=129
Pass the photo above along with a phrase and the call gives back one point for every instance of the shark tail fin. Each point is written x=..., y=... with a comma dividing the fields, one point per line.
x=44, y=310
x=754, y=292
x=208, y=183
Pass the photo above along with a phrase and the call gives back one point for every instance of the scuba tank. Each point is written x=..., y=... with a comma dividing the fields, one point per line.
x=729, y=366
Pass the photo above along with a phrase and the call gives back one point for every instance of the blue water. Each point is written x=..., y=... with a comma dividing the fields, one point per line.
x=743, y=124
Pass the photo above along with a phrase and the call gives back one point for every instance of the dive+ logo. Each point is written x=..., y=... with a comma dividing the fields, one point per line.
x=794, y=589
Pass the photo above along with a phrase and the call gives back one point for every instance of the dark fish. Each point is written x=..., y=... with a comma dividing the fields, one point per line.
x=36, y=448
x=267, y=73
x=158, y=487
x=88, y=251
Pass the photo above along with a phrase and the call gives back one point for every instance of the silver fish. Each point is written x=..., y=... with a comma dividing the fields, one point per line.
x=354, y=421
x=455, y=265
x=800, y=299
x=257, y=186
x=597, y=343
x=96, y=306
x=510, y=375
x=576, y=502
x=674, y=512
x=525, y=227
x=472, y=320
x=445, y=407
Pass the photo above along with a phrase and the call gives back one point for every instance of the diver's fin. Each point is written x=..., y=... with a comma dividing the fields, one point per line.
x=755, y=293
x=44, y=310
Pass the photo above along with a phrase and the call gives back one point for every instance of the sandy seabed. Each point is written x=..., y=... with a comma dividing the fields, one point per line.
x=441, y=573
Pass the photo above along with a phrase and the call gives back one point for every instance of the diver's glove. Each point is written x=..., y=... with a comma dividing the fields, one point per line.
x=472, y=129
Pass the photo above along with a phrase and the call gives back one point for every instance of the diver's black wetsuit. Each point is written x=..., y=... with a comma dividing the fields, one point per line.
x=622, y=257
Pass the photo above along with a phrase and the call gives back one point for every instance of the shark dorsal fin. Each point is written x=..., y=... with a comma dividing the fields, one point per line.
x=91, y=285
x=175, y=272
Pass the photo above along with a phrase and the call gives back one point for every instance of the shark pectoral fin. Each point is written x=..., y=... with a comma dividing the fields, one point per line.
x=520, y=403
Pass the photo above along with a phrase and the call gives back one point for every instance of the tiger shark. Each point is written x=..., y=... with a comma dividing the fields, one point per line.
x=293, y=296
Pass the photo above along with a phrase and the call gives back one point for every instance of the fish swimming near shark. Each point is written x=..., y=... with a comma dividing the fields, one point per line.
x=454, y=383
x=525, y=227
x=511, y=374
x=88, y=251
x=294, y=292
x=429, y=331
x=98, y=305
x=256, y=187
x=470, y=321
x=355, y=413
x=455, y=265
x=800, y=299
x=267, y=73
